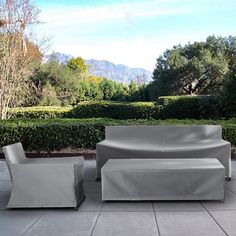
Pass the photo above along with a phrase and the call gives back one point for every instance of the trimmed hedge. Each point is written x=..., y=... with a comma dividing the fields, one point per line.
x=55, y=134
x=179, y=107
x=193, y=107
x=115, y=110
x=42, y=112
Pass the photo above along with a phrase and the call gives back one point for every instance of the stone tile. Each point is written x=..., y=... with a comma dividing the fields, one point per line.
x=127, y=206
x=90, y=170
x=226, y=219
x=4, y=198
x=92, y=202
x=92, y=187
x=61, y=223
x=5, y=185
x=231, y=185
x=126, y=224
x=233, y=163
x=233, y=177
x=4, y=173
x=178, y=206
x=194, y=223
x=228, y=204
x=16, y=222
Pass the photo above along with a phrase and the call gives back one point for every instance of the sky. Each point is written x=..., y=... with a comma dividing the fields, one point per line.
x=134, y=33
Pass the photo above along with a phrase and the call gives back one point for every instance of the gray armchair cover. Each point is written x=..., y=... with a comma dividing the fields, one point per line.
x=184, y=141
x=44, y=182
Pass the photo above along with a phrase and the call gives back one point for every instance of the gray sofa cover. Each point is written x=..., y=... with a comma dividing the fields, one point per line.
x=44, y=182
x=183, y=141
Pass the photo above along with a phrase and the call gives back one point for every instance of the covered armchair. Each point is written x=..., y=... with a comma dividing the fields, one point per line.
x=43, y=182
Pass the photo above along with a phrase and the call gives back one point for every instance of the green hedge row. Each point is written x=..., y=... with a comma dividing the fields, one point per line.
x=55, y=134
x=116, y=110
x=42, y=112
x=178, y=107
x=193, y=107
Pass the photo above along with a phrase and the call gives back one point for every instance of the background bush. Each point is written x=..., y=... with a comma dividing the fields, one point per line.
x=115, y=110
x=55, y=134
x=42, y=112
x=178, y=107
x=193, y=107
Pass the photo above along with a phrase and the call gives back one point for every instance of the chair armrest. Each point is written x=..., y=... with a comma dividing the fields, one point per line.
x=44, y=174
x=56, y=160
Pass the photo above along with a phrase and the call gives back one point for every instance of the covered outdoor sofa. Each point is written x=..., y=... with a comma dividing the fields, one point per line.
x=183, y=141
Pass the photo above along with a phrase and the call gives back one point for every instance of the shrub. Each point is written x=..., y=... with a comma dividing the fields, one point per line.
x=55, y=134
x=229, y=94
x=52, y=134
x=43, y=112
x=115, y=110
x=179, y=107
x=210, y=107
x=193, y=107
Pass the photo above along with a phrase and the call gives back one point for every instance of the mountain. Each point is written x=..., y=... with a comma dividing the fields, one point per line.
x=61, y=57
x=109, y=70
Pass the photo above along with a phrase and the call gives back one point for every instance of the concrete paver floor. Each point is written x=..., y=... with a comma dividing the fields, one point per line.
x=95, y=218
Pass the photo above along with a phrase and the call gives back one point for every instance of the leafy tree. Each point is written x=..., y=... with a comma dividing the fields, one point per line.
x=121, y=92
x=144, y=92
x=49, y=97
x=89, y=90
x=198, y=68
x=108, y=89
x=64, y=81
x=134, y=94
x=78, y=65
x=17, y=52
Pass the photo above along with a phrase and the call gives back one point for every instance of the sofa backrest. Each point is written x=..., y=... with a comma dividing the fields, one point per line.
x=191, y=134
x=134, y=133
x=165, y=134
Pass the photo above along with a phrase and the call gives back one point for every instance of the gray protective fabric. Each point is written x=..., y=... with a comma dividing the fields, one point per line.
x=163, y=179
x=184, y=141
x=44, y=182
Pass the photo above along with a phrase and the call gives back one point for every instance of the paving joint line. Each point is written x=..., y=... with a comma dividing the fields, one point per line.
x=124, y=211
x=215, y=220
x=230, y=190
x=157, y=225
x=34, y=223
x=97, y=219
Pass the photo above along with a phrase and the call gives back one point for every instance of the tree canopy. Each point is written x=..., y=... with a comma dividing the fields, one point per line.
x=55, y=83
x=194, y=69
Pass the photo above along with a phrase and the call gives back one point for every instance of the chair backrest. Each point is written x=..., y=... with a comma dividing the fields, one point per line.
x=14, y=153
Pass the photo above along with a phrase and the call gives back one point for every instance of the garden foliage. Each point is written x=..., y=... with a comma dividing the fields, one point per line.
x=179, y=107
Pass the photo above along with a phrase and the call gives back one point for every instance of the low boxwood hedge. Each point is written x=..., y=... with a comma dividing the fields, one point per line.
x=193, y=107
x=115, y=110
x=41, y=112
x=179, y=107
x=55, y=134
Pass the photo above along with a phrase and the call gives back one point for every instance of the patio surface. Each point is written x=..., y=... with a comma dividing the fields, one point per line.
x=120, y=218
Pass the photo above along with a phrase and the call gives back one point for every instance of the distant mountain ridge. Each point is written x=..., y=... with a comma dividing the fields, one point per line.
x=109, y=70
